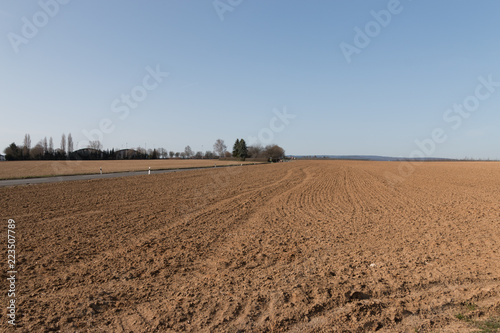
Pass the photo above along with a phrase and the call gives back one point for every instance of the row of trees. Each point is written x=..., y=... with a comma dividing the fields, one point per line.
x=272, y=152
x=44, y=150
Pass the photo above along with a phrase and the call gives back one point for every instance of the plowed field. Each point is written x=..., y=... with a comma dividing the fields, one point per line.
x=301, y=247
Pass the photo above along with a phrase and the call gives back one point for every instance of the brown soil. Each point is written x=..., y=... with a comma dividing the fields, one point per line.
x=300, y=247
x=24, y=169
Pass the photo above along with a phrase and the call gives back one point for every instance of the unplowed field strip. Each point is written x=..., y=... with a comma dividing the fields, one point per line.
x=33, y=169
x=306, y=246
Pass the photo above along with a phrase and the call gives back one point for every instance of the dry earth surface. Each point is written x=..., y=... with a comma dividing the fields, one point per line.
x=24, y=169
x=306, y=246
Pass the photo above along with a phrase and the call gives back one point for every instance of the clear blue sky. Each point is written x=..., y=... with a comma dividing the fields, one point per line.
x=227, y=76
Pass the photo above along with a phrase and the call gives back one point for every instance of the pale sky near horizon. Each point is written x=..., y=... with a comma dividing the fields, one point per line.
x=316, y=77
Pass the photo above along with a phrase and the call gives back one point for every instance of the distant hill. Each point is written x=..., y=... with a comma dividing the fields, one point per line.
x=368, y=158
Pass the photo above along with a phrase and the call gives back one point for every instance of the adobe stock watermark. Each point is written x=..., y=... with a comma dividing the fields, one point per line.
x=223, y=6
x=372, y=29
x=277, y=124
x=11, y=272
x=31, y=26
x=124, y=104
x=454, y=118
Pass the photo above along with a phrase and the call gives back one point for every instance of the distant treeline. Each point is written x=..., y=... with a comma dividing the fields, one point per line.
x=387, y=159
x=44, y=150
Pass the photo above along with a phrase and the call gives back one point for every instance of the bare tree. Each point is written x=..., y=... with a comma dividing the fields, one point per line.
x=45, y=146
x=27, y=141
x=63, y=143
x=37, y=151
x=162, y=153
x=27, y=146
x=177, y=154
x=96, y=144
x=70, y=143
x=198, y=155
x=275, y=152
x=255, y=151
x=220, y=148
x=51, y=146
x=171, y=154
x=209, y=154
x=188, y=152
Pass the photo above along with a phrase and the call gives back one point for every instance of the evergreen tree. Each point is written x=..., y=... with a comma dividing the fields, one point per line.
x=13, y=152
x=240, y=149
x=236, y=148
x=243, y=149
x=154, y=156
